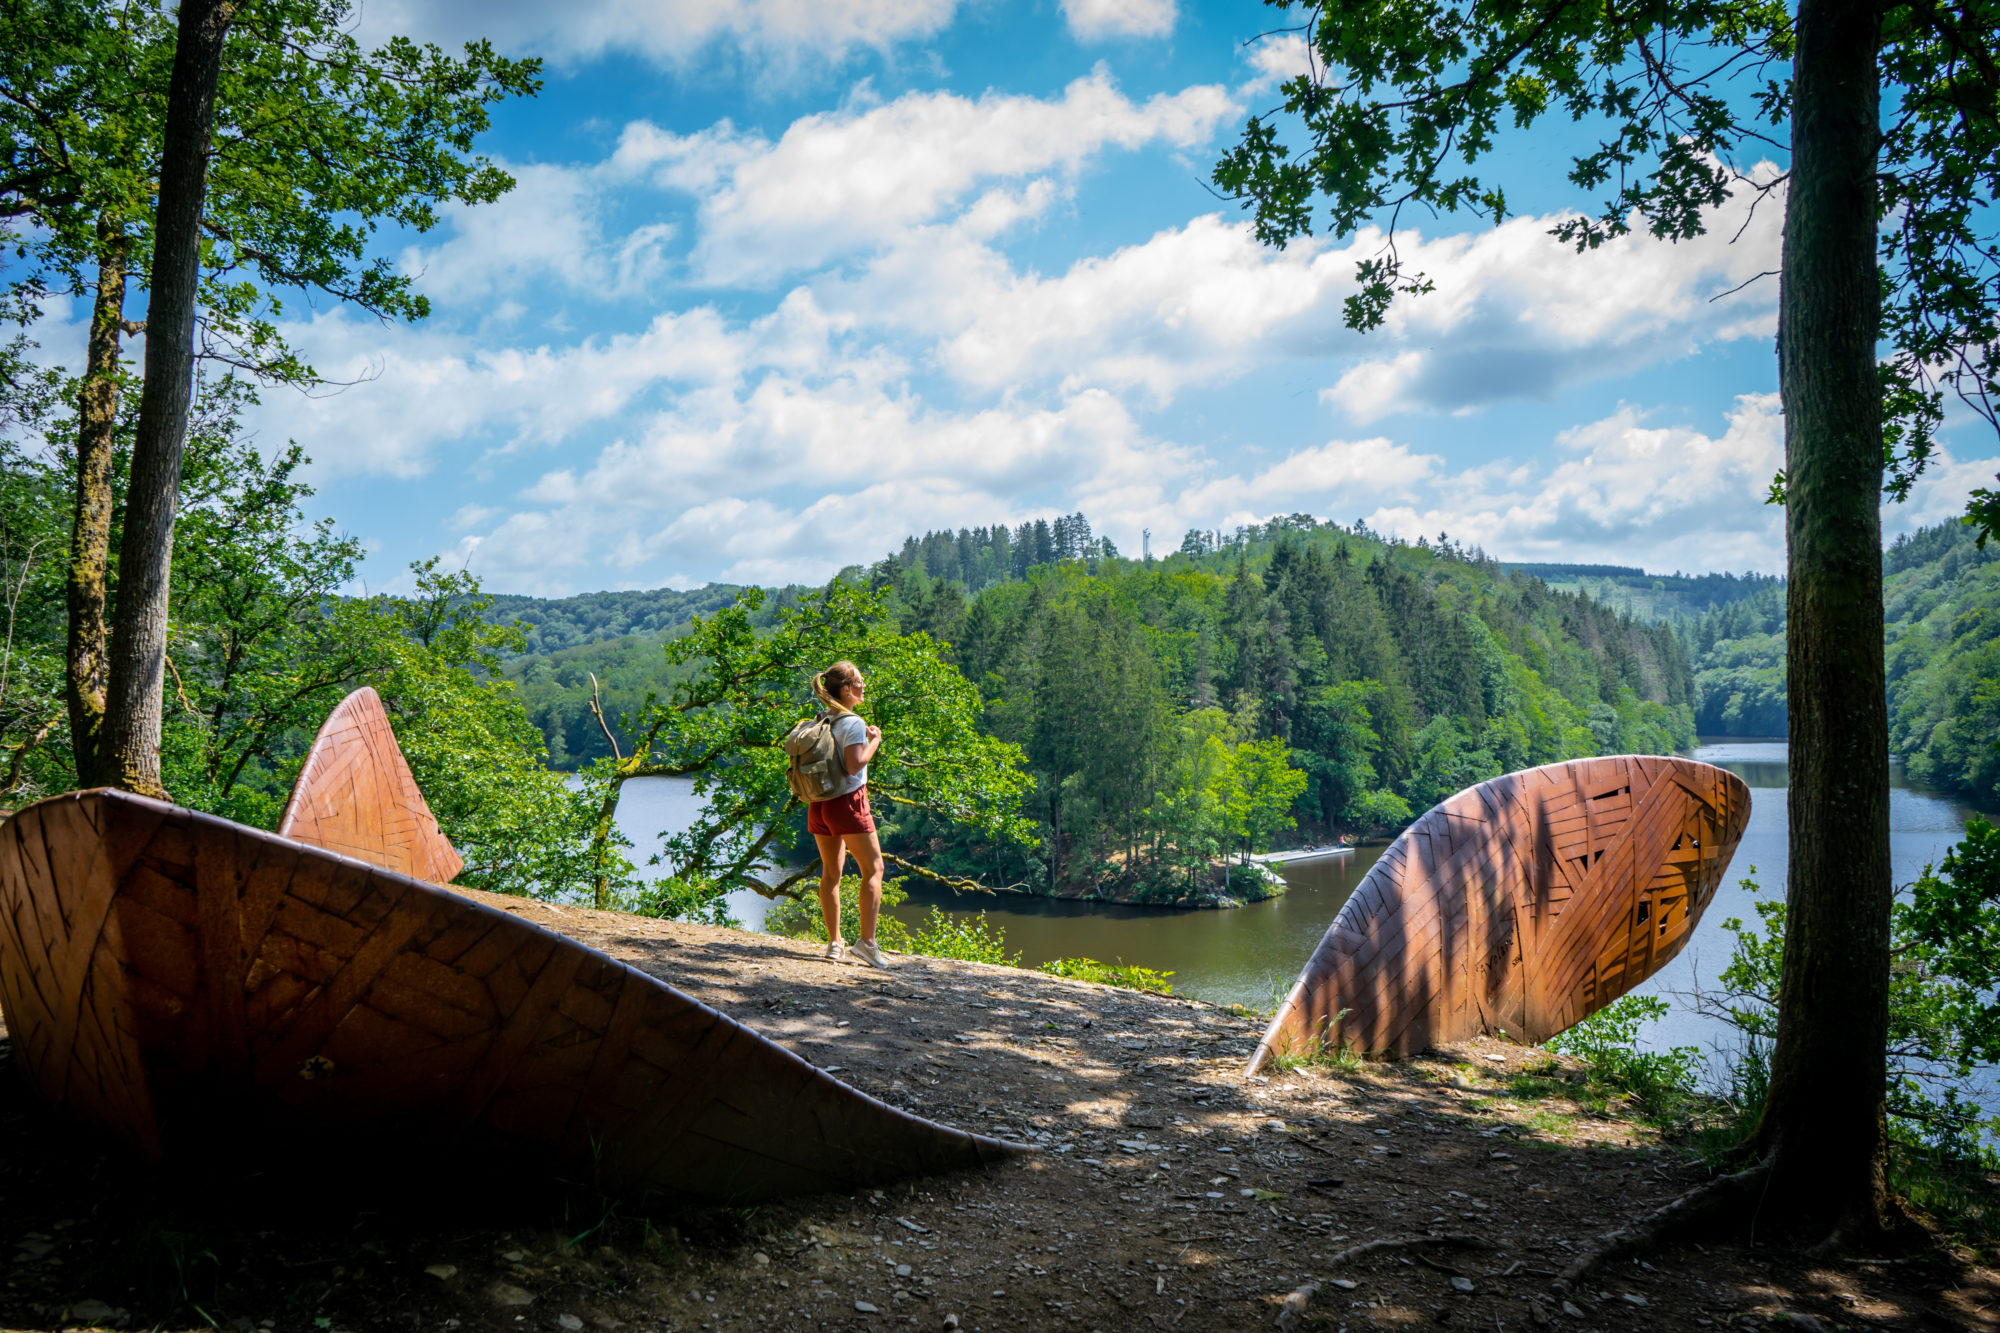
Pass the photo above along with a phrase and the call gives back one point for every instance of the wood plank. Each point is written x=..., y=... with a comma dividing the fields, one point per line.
x=1519, y=896
x=263, y=1008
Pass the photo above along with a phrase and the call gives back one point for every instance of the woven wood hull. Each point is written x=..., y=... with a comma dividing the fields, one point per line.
x=355, y=795
x=175, y=978
x=1521, y=905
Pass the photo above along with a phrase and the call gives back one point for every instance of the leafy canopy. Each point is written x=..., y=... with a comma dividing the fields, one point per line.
x=723, y=722
x=317, y=143
x=1404, y=97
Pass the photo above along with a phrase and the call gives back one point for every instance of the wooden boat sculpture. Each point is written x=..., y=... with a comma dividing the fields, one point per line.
x=181, y=981
x=1521, y=905
x=355, y=795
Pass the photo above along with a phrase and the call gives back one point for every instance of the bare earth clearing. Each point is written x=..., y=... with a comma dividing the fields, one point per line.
x=1169, y=1194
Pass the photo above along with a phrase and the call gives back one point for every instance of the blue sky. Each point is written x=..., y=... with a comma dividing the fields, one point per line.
x=786, y=279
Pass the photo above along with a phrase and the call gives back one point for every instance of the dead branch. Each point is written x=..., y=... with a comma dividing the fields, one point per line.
x=597, y=708
x=951, y=881
x=1293, y=1308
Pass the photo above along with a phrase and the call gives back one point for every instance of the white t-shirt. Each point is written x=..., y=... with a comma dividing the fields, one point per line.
x=850, y=730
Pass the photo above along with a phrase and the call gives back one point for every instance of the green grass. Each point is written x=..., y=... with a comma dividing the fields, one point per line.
x=1340, y=1059
x=1112, y=974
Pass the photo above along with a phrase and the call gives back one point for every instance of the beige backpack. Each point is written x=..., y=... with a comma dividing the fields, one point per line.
x=816, y=768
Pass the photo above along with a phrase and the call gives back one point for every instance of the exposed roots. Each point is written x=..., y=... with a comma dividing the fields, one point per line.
x=1729, y=1193
x=1293, y=1308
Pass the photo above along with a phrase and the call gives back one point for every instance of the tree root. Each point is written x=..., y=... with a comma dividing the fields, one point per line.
x=1293, y=1308
x=1696, y=1206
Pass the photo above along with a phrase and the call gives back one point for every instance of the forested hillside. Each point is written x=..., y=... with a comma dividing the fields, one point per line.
x=1942, y=612
x=1650, y=596
x=1291, y=679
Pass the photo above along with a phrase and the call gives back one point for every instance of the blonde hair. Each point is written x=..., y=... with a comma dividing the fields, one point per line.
x=831, y=683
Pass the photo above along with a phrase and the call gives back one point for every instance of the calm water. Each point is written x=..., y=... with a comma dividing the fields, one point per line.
x=1252, y=954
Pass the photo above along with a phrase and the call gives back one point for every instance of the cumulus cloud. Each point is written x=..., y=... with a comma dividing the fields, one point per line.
x=1623, y=491
x=786, y=34
x=1276, y=58
x=1102, y=20
x=1519, y=314
x=860, y=179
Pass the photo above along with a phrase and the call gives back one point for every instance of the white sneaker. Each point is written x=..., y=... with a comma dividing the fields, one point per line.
x=869, y=954
x=836, y=951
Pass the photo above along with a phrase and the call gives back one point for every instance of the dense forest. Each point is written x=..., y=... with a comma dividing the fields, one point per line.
x=1293, y=678
x=1651, y=596
x=1942, y=612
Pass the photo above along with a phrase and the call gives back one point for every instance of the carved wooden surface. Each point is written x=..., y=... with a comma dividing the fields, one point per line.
x=161, y=968
x=1520, y=905
x=356, y=796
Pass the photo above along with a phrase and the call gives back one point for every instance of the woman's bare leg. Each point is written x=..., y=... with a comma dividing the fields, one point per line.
x=868, y=856
x=832, y=858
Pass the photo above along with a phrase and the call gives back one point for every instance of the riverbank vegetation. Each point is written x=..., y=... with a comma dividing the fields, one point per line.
x=1941, y=612
x=1292, y=679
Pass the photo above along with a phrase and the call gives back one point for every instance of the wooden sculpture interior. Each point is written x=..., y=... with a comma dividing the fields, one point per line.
x=193, y=986
x=1519, y=906
x=356, y=796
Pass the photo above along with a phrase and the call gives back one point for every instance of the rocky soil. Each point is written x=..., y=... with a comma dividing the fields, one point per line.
x=1168, y=1193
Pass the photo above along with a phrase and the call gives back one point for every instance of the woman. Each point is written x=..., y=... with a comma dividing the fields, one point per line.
x=843, y=823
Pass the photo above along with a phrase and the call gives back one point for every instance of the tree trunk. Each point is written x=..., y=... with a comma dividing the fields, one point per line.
x=131, y=745
x=90, y=538
x=1823, y=1125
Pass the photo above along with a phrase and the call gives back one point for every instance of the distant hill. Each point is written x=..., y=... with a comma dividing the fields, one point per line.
x=1941, y=608
x=556, y=623
x=1649, y=596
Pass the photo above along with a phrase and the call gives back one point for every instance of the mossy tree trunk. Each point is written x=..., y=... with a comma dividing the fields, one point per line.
x=87, y=668
x=131, y=735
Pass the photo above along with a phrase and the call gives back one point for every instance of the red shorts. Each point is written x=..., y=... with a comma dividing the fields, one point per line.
x=842, y=814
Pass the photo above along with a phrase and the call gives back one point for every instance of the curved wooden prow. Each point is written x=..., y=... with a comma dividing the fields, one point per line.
x=1521, y=905
x=356, y=796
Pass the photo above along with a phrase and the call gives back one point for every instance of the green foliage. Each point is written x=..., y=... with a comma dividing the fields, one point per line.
x=969, y=939
x=261, y=646
x=800, y=918
x=1367, y=679
x=1679, y=102
x=1944, y=1014
x=34, y=729
x=1941, y=605
x=318, y=143
x=1111, y=974
x=1608, y=1043
x=742, y=688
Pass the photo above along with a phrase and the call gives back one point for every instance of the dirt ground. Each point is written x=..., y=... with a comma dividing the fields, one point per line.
x=1169, y=1193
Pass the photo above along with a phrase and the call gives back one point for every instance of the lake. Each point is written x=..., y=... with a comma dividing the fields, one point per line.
x=1252, y=954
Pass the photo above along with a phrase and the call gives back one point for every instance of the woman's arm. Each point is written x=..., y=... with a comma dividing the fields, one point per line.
x=857, y=756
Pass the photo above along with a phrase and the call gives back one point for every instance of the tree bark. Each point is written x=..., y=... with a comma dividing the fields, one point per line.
x=131, y=744
x=1823, y=1128
x=90, y=538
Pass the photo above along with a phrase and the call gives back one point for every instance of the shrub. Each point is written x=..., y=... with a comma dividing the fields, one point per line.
x=1608, y=1042
x=1111, y=974
x=799, y=918
x=970, y=939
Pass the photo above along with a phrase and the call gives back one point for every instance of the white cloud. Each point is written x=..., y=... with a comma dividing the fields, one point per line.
x=1519, y=314
x=1099, y=20
x=1627, y=493
x=782, y=35
x=859, y=180
x=1276, y=58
